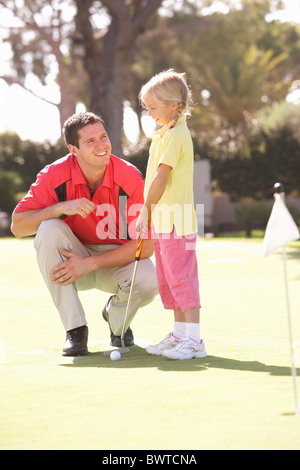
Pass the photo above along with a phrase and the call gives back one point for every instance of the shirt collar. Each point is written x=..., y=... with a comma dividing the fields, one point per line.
x=76, y=173
x=160, y=132
x=78, y=176
x=108, y=179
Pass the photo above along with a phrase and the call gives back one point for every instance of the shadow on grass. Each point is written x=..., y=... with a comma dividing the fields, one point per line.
x=138, y=358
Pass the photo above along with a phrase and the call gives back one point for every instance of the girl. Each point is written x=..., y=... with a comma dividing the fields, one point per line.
x=169, y=207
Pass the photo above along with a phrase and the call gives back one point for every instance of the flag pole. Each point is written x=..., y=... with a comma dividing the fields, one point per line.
x=279, y=189
x=294, y=372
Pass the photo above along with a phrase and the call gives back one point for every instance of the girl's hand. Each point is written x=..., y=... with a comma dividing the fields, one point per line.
x=142, y=225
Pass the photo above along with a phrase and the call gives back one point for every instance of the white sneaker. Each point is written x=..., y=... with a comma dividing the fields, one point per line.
x=187, y=348
x=169, y=342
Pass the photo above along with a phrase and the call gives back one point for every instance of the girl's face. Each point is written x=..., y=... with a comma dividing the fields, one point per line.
x=161, y=113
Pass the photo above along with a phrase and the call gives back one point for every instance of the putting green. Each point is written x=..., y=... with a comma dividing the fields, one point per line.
x=240, y=397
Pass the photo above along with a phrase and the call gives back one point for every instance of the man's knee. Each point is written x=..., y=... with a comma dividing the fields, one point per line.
x=147, y=280
x=48, y=231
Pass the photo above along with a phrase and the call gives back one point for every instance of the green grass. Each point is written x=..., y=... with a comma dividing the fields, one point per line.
x=240, y=397
x=255, y=234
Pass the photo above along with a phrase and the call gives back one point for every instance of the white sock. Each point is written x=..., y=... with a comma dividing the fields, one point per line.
x=179, y=329
x=193, y=331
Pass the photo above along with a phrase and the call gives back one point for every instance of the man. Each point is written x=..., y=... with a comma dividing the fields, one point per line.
x=83, y=210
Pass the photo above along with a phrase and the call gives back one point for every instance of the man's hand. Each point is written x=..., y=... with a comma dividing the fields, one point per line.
x=67, y=272
x=27, y=223
x=83, y=207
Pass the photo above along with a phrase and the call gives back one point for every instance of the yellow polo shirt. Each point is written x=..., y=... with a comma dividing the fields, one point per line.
x=175, y=208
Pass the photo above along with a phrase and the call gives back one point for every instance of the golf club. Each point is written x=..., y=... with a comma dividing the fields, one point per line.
x=123, y=349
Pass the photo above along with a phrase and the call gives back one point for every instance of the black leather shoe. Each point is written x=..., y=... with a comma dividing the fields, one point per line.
x=128, y=339
x=76, y=342
x=116, y=340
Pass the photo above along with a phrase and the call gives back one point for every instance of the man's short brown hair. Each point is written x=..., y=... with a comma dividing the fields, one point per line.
x=76, y=122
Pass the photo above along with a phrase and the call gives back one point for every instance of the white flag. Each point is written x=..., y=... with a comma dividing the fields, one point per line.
x=281, y=228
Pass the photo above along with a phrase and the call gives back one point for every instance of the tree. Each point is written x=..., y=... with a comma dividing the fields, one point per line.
x=40, y=41
x=230, y=64
x=106, y=55
x=10, y=186
x=102, y=63
x=240, y=82
x=90, y=60
x=273, y=156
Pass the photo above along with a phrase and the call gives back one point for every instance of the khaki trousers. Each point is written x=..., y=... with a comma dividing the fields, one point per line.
x=54, y=234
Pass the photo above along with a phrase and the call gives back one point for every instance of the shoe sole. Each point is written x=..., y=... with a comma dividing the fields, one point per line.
x=199, y=355
x=74, y=353
x=154, y=353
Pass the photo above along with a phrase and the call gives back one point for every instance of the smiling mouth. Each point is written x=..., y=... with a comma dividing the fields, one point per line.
x=101, y=154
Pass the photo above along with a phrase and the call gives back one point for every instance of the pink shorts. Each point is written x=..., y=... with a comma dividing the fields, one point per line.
x=177, y=271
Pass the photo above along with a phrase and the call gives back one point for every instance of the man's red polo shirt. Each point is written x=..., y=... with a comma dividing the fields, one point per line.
x=119, y=197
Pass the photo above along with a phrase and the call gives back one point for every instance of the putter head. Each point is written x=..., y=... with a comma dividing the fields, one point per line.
x=121, y=351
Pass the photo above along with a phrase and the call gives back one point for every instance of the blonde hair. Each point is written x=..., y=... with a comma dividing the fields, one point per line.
x=168, y=87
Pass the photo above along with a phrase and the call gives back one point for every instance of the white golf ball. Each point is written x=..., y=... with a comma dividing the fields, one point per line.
x=115, y=356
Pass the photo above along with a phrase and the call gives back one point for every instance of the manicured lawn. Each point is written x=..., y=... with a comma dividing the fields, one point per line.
x=240, y=397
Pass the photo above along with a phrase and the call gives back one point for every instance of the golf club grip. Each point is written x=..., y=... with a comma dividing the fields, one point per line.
x=139, y=249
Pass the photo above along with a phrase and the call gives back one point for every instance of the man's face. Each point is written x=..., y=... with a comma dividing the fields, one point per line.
x=94, y=147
